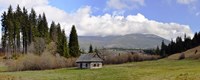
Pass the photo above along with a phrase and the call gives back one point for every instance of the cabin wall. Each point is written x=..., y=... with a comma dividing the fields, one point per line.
x=95, y=65
x=92, y=65
x=83, y=65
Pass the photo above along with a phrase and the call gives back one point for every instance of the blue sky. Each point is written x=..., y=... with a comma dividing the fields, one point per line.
x=159, y=10
x=165, y=18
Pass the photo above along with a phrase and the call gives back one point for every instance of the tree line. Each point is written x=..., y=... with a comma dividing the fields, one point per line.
x=20, y=29
x=179, y=45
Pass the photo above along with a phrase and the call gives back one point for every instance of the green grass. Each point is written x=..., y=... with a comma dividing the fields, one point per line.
x=147, y=70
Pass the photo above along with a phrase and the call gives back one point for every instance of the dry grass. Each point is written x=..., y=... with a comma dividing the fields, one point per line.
x=42, y=62
x=193, y=53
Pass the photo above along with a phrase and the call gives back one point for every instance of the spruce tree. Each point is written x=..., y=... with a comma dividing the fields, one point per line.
x=53, y=32
x=18, y=19
x=25, y=26
x=90, y=49
x=33, y=25
x=64, y=43
x=4, y=29
x=157, y=50
x=194, y=40
x=59, y=42
x=73, y=43
x=163, y=49
x=10, y=25
x=45, y=27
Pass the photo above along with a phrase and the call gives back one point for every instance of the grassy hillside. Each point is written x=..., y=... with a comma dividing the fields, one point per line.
x=188, y=54
x=147, y=70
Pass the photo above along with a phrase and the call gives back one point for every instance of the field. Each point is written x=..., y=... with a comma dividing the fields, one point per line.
x=147, y=70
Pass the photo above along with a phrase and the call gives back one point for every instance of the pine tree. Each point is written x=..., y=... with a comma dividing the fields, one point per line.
x=59, y=42
x=53, y=32
x=198, y=38
x=73, y=43
x=4, y=29
x=163, y=49
x=64, y=43
x=157, y=50
x=90, y=49
x=172, y=47
x=33, y=26
x=43, y=28
x=10, y=25
x=18, y=18
x=194, y=40
x=45, y=25
x=179, y=45
x=25, y=26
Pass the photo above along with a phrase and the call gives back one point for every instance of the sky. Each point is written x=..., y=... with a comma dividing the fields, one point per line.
x=165, y=18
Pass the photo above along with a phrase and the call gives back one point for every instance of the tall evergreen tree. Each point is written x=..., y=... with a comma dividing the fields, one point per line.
x=18, y=18
x=59, y=42
x=73, y=43
x=157, y=50
x=195, y=40
x=179, y=45
x=43, y=28
x=33, y=26
x=64, y=43
x=163, y=49
x=39, y=26
x=53, y=32
x=25, y=26
x=90, y=49
x=4, y=29
x=10, y=25
x=45, y=25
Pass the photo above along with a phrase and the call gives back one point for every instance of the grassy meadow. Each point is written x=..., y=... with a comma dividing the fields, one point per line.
x=147, y=70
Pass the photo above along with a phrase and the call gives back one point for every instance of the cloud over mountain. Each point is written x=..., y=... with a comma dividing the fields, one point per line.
x=106, y=24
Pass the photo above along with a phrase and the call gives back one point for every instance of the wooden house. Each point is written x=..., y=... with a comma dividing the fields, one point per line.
x=90, y=61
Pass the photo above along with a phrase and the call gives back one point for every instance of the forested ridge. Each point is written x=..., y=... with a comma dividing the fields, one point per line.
x=179, y=45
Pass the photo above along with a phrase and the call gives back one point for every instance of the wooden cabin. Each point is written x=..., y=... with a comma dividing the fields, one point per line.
x=89, y=61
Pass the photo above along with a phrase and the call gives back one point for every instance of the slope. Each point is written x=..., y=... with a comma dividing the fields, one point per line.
x=193, y=53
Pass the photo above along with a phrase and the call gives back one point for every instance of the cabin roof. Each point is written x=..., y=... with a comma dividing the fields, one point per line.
x=90, y=57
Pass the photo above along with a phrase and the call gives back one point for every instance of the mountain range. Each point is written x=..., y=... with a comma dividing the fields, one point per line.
x=129, y=41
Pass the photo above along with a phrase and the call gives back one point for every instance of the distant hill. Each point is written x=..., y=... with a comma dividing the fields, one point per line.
x=130, y=41
x=193, y=53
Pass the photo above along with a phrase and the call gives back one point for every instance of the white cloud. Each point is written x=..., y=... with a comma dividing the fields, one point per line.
x=186, y=2
x=125, y=4
x=107, y=24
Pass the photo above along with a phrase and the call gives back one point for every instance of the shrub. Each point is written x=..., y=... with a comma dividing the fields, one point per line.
x=182, y=56
x=38, y=46
x=127, y=57
x=42, y=62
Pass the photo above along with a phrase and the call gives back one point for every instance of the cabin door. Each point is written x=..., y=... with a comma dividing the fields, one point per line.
x=81, y=65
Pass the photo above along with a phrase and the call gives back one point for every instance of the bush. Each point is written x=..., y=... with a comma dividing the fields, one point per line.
x=42, y=62
x=127, y=57
x=38, y=46
x=182, y=56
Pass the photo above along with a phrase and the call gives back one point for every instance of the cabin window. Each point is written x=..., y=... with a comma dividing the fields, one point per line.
x=86, y=65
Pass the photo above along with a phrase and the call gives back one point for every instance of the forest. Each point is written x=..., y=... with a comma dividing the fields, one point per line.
x=179, y=45
x=24, y=32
